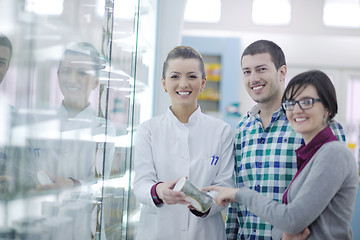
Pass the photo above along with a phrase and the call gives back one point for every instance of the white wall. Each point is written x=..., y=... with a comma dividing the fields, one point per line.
x=170, y=23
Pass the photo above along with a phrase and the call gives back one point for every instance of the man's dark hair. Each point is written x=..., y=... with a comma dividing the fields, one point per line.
x=4, y=41
x=266, y=46
x=85, y=49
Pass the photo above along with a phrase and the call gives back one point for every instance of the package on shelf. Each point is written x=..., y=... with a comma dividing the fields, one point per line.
x=213, y=71
x=209, y=94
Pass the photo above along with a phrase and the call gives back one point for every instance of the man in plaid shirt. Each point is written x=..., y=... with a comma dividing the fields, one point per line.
x=265, y=143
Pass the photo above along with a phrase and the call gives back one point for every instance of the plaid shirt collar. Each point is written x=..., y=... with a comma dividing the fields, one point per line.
x=254, y=112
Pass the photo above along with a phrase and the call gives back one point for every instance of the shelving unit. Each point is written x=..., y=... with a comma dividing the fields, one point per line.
x=222, y=57
x=209, y=98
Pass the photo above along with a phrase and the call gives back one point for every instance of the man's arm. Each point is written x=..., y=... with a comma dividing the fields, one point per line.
x=338, y=130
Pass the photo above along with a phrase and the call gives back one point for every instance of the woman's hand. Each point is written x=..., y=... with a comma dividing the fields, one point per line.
x=299, y=236
x=168, y=195
x=224, y=196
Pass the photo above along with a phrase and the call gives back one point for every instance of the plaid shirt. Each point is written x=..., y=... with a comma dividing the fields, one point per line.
x=265, y=162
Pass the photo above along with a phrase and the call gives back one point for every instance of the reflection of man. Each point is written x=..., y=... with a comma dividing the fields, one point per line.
x=5, y=55
x=5, y=110
x=77, y=157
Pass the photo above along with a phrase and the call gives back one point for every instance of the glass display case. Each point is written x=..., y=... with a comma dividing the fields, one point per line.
x=77, y=82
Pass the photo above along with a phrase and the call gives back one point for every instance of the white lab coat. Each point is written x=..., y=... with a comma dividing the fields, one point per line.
x=166, y=149
x=76, y=153
x=87, y=122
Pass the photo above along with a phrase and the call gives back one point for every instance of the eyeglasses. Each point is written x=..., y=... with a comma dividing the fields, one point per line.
x=304, y=104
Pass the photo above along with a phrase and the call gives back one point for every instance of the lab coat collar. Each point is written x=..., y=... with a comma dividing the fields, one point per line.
x=193, y=117
x=88, y=112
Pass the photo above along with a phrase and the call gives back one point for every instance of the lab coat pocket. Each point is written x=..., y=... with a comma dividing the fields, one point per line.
x=147, y=228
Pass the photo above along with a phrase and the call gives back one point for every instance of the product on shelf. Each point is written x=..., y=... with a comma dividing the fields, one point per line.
x=213, y=71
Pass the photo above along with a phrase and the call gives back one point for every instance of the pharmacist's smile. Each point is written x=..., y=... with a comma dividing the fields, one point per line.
x=73, y=87
x=183, y=93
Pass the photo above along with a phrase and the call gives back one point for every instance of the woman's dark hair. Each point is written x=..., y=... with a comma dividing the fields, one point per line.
x=322, y=84
x=184, y=52
x=85, y=49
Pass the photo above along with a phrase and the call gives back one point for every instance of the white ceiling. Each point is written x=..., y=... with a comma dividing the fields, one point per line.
x=306, y=40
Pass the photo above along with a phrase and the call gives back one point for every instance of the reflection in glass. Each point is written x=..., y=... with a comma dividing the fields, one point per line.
x=67, y=136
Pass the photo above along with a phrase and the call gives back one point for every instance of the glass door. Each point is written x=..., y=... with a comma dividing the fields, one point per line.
x=75, y=82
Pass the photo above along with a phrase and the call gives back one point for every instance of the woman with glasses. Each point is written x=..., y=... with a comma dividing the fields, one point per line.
x=321, y=196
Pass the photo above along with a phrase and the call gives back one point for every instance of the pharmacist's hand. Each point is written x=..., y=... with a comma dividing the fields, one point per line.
x=58, y=183
x=4, y=180
x=168, y=195
x=224, y=195
x=191, y=207
x=299, y=236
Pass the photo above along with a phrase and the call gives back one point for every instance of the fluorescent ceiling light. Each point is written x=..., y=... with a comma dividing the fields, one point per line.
x=274, y=12
x=125, y=9
x=45, y=7
x=207, y=11
x=342, y=13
